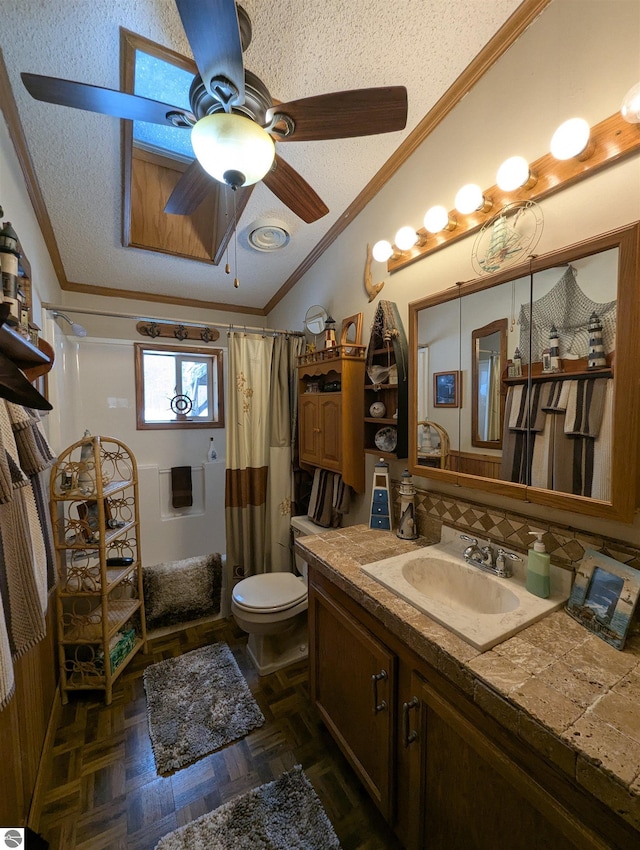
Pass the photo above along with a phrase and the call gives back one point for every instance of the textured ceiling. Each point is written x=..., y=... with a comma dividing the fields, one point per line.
x=299, y=48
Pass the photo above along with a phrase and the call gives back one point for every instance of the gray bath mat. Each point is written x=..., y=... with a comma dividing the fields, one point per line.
x=197, y=703
x=285, y=814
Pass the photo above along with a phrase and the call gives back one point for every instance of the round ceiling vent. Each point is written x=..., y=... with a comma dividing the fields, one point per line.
x=268, y=234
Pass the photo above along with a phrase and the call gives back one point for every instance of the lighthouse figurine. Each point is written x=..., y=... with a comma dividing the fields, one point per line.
x=380, y=502
x=597, y=359
x=407, y=529
x=554, y=350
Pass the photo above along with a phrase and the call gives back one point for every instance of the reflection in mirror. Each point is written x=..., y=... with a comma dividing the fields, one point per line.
x=438, y=437
x=314, y=319
x=488, y=359
x=566, y=330
x=565, y=392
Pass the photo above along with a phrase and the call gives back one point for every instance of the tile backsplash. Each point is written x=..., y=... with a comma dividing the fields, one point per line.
x=565, y=545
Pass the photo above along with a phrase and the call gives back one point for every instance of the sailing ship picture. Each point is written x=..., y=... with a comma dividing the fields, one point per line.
x=508, y=237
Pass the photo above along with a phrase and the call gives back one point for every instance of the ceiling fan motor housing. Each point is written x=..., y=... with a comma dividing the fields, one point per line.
x=257, y=100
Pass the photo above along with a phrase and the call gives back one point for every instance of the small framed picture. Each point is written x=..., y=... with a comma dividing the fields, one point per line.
x=446, y=389
x=604, y=596
x=88, y=514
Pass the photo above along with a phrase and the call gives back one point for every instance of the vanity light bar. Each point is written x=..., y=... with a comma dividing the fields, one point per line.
x=611, y=140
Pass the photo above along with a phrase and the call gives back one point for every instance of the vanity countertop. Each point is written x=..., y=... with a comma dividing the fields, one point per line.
x=555, y=685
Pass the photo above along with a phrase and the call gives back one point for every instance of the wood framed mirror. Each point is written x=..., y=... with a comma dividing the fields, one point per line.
x=488, y=361
x=546, y=455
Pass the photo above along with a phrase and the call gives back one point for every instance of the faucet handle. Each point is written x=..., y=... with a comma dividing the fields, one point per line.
x=504, y=554
x=472, y=540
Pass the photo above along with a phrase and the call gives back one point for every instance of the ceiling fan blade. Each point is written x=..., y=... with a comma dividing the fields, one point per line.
x=214, y=35
x=229, y=209
x=97, y=99
x=344, y=114
x=294, y=191
x=191, y=190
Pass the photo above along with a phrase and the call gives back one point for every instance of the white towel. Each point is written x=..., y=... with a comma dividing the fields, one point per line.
x=601, y=483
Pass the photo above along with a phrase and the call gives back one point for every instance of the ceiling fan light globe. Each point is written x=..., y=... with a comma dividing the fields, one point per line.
x=228, y=143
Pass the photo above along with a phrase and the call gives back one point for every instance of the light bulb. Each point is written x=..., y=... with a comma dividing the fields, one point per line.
x=570, y=139
x=233, y=149
x=436, y=219
x=514, y=173
x=406, y=238
x=469, y=199
x=630, y=108
x=382, y=251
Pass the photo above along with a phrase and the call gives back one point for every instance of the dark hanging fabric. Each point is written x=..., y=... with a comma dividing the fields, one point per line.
x=181, y=487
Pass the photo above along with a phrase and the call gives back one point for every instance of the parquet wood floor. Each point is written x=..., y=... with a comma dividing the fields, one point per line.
x=102, y=792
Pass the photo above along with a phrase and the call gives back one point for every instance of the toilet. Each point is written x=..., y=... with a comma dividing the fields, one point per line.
x=272, y=609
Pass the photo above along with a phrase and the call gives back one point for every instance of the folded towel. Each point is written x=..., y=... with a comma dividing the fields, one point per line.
x=523, y=412
x=585, y=406
x=181, y=487
x=555, y=398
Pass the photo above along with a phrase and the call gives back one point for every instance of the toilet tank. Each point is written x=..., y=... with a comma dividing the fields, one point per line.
x=301, y=526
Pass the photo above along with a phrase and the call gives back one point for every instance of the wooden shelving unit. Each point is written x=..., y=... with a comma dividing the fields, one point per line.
x=95, y=516
x=330, y=412
x=387, y=354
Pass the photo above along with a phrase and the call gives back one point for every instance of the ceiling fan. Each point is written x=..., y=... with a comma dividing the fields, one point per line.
x=234, y=121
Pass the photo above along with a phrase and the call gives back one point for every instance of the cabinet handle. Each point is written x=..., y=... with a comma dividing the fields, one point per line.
x=410, y=735
x=377, y=677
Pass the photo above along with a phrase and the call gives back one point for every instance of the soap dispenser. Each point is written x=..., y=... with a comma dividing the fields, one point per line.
x=212, y=454
x=539, y=568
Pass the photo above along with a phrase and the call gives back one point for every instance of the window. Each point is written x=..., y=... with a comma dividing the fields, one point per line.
x=178, y=387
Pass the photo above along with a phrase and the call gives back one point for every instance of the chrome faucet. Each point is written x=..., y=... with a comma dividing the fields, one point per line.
x=489, y=559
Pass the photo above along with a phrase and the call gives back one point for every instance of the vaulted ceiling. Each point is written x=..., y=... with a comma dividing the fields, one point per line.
x=299, y=48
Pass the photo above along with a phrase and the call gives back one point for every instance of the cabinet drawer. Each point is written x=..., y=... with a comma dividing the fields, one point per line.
x=383, y=522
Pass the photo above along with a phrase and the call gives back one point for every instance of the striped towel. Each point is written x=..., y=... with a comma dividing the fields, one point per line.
x=555, y=399
x=585, y=407
x=522, y=412
x=330, y=498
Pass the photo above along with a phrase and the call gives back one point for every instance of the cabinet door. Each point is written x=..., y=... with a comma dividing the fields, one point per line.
x=331, y=436
x=470, y=795
x=353, y=686
x=310, y=432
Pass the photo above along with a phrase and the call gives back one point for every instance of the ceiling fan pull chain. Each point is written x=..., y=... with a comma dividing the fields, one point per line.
x=236, y=282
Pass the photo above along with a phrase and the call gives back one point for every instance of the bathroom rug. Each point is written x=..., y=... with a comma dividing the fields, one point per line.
x=196, y=704
x=285, y=814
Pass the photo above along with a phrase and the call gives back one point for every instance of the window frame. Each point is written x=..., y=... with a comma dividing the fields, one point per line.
x=217, y=356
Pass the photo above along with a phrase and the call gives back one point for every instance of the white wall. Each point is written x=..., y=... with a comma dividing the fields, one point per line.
x=578, y=58
x=103, y=401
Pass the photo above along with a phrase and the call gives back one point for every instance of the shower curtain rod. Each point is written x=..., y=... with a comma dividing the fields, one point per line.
x=161, y=320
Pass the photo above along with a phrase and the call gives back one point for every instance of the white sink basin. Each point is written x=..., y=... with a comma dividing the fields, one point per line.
x=454, y=585
x=481, y=608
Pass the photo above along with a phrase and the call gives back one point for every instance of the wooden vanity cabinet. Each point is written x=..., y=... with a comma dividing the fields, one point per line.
x=469, y=793
x=353, y=687
x=444, y=773
x=331, y=411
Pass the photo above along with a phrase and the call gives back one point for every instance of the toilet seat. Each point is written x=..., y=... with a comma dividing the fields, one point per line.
x=269, y=592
